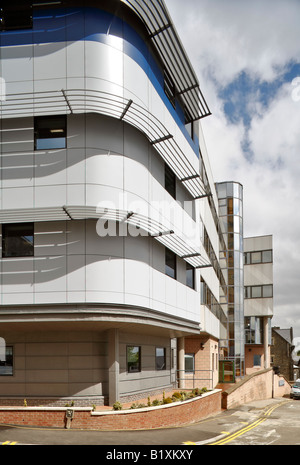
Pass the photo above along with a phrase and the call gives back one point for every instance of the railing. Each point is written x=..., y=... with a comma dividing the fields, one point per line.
x=195, y=379
x=76, y=101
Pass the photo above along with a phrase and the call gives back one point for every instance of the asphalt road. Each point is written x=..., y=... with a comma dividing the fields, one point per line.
x=275, y=421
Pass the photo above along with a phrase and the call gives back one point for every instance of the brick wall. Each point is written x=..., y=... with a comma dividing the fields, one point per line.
x=206, y=362
x=84, y=418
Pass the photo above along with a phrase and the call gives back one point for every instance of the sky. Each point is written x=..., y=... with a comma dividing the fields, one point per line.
x=247, y=57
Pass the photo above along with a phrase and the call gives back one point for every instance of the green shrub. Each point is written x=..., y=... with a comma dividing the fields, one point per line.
x=134, y=405
x=156, y=402
x=117, y=406
x=183, y=395
x=168, y=400
x=176, y=395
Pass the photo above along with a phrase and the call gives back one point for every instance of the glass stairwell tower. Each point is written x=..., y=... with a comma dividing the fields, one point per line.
x=230, y=195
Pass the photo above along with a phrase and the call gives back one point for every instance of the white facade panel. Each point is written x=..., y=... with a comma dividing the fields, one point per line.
x=121, y=130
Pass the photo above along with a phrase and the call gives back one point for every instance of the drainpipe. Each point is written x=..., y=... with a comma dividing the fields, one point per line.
x=181, y=353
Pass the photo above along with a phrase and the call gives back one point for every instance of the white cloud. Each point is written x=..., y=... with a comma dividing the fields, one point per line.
x=225, y=38
x=260, y=38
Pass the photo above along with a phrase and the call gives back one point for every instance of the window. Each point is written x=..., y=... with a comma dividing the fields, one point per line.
x=267, y=291
x=267, y=256
x=252, y=258
x=49, y=132
x=6, y=365
x=256, y=257
x=189, y=363
x=170, y=259
x=16, y=15
x=189, y=123
x=133, y=359
x=17, y=240
x=160, y=358
x=190, y=276
x=170, y=181
x=169, y=87
x=256, y=360
x=257, y=292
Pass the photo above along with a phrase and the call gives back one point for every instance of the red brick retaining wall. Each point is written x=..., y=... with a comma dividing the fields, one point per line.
x=169, y=415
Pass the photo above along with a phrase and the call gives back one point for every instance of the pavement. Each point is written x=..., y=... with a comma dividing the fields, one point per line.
x=219, y=427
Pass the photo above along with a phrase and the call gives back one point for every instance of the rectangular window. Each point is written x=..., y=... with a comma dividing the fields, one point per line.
x=189, y=363
x=170, y=259
x=133, y=359
x=190, y=276
x=256, y=292
x=267, y=256
x=160, y=358
x=18, y=240
x=189, y=124
x=268, y=291
x=257, y=360
x=50, y=132
x=16, y=15
x=170, y=181
x=6, y=365
x=252, y=258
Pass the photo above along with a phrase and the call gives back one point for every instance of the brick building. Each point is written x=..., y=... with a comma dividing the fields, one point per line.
x=281, y=351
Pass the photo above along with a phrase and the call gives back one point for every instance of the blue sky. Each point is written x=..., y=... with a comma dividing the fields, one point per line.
x=236, y=93
x=247, y=58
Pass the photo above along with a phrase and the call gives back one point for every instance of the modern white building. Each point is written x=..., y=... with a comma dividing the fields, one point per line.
x=108, y=207
x=114, y=283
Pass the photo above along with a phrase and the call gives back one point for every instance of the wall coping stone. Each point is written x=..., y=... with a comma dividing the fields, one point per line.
x=245, y=380
x=147, y=409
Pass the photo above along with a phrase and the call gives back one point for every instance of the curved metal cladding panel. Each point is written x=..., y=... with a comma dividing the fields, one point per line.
x=88, y=60
x=86, y=63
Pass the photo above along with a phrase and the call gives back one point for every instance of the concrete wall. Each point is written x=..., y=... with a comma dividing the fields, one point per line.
x=258, y=386
x=73, y=365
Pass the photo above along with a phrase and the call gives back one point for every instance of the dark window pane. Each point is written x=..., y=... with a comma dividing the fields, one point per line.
x=15, y=15
x=50, y=132
x=6, y=366
x=160, y=358
x=133, y=359
x=190, y=273
x=170, y=181
x=256, y=360
x=170, y=264
x=189, y=363
x=17, y=240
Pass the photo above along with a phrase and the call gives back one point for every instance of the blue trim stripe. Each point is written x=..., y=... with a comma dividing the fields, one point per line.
x=93, y=24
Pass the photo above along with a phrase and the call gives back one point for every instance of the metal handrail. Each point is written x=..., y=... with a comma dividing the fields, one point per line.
x=191, y=376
